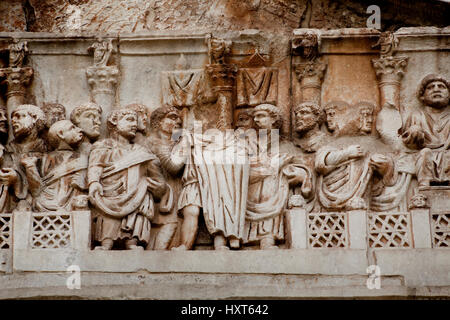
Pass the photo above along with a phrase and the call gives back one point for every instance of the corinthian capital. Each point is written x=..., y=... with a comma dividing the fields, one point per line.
x=311, y=69
x=222, y=76
x=102, y=79
x=390, y=68
x=16, y=80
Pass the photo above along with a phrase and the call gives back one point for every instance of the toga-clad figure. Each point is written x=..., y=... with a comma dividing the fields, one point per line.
x=124, y=181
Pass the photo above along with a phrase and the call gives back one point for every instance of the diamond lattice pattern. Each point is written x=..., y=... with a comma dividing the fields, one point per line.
x=51, y=231
x=389, y=230
x=5, y=231
x=441, y=230
x=327, y=230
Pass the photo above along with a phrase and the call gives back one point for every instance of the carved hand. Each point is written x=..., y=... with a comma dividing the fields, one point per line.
x=354, y=151
x=8, y=176
x=415, y=136
x=379, y=163
x=94, y=188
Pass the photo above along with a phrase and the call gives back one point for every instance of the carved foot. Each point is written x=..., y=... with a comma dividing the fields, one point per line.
x=135, y=247
x=180, y=248
x=222, y=248
x=356, y=204
x=234, y=243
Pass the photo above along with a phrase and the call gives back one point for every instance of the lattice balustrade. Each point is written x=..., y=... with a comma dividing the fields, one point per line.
x=389, y=230
x=5, y=230
x=440, y=225
x=327, y=230
x=51, y=231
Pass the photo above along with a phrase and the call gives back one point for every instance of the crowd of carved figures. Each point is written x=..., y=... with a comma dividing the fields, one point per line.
x=155, y=172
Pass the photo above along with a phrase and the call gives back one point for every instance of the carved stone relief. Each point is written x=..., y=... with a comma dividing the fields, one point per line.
x=152, y=175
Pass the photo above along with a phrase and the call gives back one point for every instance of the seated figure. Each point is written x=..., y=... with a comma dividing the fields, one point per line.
x=428, y=130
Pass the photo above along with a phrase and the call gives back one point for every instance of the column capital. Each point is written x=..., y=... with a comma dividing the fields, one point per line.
x=16, y=80
x=102, y=79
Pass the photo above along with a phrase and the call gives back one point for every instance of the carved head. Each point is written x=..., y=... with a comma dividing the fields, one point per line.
x=365, y=116
x=88, y=118
x=245, y=120
x=434, y=91
x=306, y=116
x=332, y=110
x=306, y=46
x=124, y=122
x=267, y=116
x=3, y=125
x=142, y=113
x=53, y=112
x=25, y=119
x=64, y=131
x=166, y=120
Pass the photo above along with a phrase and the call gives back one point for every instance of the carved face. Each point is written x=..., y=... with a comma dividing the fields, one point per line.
x=332, y=124
x=72, y=135
x=244, y=121
x=142, y=122
x=89, y=122
x=304, y=119
x=263, y=120
x=3, y=121
x=22, y=123
x=366, y=119
x=436, y=94
x=127, y=125
x=170, y=122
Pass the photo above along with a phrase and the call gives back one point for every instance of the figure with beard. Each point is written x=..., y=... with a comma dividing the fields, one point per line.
x=24, y=152
x=308, y=135
x=124, y=179
x=62, y=173
x=428, y=130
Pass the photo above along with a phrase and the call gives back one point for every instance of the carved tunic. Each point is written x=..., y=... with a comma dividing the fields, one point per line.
x=63, y=175
x=127, y=204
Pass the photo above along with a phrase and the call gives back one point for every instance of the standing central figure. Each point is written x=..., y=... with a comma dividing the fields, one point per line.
x=124, y=179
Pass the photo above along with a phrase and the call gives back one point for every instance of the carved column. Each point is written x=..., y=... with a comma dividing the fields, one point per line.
x=16, y=77
x=103, y=83
x=223, y=78
x=102, y=79
x=310, y=76
x=390, y=71
x=308, y=67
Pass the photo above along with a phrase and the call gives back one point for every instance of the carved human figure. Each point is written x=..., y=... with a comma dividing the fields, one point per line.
x=307, y=120
x=428, y=130
x=345, y=175
x=54, y=112
x=365, y=117
x=306, y=46
x=245, y=120
x=61, y=175
x=88, y=118
x=102, y=52
x=334, y=111
x=24, y=151
x=142, y=112
x=272, y=172
x=164, y=122
x=217, y=49
x=17, y=51
x=3, y=126
x=124, y=181
x=4, y=177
